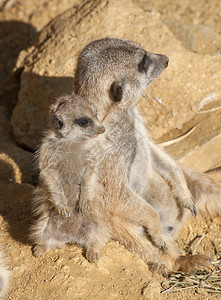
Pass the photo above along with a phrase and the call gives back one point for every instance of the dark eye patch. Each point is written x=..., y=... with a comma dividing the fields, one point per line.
x=117, y=92
x=143, y=65
x=57, y=122
x=83, y=122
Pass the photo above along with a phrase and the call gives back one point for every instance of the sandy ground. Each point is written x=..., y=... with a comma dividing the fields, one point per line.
x=65, y=273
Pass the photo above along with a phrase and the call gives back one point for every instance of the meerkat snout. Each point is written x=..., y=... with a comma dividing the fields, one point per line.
x=101, y=130
x=165, y=60
x=152, y=59
x=162, y=60
x=97, y=130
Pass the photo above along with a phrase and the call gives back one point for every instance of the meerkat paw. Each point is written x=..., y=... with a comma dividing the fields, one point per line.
x=39, y=250
x=92, y=256
x=84, y=206
x=156, y=238
x=161, y=244
x=64, y=211
x=158, y=268
x=190, y=204
x=185, y=199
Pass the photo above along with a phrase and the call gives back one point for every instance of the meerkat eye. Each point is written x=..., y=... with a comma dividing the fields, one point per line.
x=143, y=65
x=83, y=122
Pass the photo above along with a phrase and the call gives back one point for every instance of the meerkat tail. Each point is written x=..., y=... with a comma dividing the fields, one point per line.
x=206, y=192
x=157, y=261
x=191, y=263
x=135, y=240
x=4, y=278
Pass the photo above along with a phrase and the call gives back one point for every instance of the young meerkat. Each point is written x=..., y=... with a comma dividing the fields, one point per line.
x=67, y=182
x=113, y=72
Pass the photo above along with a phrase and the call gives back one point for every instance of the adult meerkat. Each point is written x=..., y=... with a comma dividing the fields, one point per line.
x=113, y=72
x=68, y=184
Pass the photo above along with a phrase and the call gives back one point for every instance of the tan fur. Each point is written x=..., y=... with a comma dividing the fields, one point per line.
x=68, y=180
x=62, y=197
x=113, y=73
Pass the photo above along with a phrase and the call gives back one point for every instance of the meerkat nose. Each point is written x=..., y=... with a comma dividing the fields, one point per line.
x=166, y=61
x=102, y=130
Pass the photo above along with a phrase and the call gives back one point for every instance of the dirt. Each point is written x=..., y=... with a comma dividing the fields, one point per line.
x=65, y=273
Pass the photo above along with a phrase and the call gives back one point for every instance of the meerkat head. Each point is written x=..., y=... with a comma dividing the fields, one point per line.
x=113, y=70
x=73, y=116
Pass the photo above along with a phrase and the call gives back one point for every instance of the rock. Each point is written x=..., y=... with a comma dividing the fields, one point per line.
x=182, y=109
x=17, y=210
x=197, y=38
x=15, y=162
x=192, y=13
x=204, y=157
x=151, y=291
x=216, y=174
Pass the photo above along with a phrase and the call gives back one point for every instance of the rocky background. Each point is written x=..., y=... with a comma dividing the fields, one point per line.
x=39, y=42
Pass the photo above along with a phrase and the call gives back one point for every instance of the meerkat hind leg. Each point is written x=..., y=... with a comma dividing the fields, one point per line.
x=172, y=173
x=149, y=219
x=92, y=255
x=47, y=236
x=157, y=240
x=39, y=250
x=92, y=249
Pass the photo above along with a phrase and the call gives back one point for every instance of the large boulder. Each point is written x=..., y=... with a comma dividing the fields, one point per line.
x=182, y=108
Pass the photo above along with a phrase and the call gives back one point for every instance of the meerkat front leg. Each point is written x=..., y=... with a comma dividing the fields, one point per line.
x=170, y=171
x=57, y=191
x=145, y=215
x=87, y=187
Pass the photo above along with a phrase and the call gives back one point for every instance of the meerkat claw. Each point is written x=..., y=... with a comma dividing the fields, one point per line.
x=192, y=207
x=164, y=248
x=39, y=250
x=64, y=212
x=84, y=208
x=161, y=245
x=194, y=211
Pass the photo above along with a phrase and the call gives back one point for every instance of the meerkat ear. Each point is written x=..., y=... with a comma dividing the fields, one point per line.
x=52, y=108
x=116, y=91
x=57, y=122
x=55, y=106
